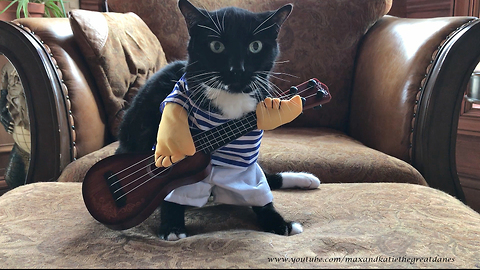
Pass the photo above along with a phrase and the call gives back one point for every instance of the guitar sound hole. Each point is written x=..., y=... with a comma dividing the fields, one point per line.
x=157, y=172
x=115, y=189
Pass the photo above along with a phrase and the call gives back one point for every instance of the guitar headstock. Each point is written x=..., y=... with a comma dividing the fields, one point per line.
x=313, y=92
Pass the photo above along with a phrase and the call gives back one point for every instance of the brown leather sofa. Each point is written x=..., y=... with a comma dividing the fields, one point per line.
x=396, y=87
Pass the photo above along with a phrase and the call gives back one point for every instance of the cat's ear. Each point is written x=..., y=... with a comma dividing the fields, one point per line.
x=274, y=18
x=281, y=14
x=191, y=14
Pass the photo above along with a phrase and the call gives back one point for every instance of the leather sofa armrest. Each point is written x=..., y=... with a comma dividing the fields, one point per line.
x=410, y=79
x=43, y=93
x=60, y=93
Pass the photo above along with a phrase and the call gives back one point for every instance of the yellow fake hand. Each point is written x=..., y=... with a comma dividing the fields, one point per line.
x=273, y=112
x=174, y=140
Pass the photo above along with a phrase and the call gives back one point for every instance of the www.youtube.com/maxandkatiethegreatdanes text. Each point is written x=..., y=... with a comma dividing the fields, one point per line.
x=376, y=259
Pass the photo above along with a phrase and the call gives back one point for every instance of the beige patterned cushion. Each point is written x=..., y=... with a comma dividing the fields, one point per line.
x=122, y=53
x=46, y=225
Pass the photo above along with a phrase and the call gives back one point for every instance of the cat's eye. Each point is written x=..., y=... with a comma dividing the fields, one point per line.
x=217, y=46
x=255, y=46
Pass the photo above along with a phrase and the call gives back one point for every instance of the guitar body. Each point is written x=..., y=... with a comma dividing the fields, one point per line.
x=122, y=190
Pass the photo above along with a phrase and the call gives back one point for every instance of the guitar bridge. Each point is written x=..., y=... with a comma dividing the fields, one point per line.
x=115, y=189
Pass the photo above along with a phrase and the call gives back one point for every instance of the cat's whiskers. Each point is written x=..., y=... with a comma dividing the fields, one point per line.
x=279, y=73
x=218, y=21
x=198, y=80
x=257, y=86
x=209, y=28
x=262, y=86
x=223, y=21
x=195, y=84
x=200, y=85
x=263, y=29
x=274, y=75
x=191, y=64
x=278, y=78
x=203, y=74
x=215, y=83
x=277, y=94
x=216, y=26
x=281, y=62
x=270, y=87
x=268, y=18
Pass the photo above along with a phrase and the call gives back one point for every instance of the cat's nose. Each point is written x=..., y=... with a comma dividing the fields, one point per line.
x=237, y=70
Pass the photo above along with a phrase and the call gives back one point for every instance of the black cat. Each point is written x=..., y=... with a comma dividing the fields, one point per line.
x=230, y=56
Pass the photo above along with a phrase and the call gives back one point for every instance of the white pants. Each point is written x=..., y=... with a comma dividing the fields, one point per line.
x=237, y=186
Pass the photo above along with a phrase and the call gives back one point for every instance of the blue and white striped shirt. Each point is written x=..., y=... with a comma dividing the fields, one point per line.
x=242, y=152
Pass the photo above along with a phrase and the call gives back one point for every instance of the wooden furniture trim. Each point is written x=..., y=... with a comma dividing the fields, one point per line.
x=444, y=86
x=41, y=83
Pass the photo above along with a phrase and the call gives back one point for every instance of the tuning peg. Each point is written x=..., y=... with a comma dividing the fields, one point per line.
x=321, y=93
x=312, y=83
x=303, y=101
x=318, y=107
x=293, y=90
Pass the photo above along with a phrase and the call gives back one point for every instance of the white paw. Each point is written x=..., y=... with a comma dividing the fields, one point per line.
x=175, y=237
x=301, y=180
x=296, y=228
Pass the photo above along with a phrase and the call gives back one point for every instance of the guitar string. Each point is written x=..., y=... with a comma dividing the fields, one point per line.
x=241, y=122
x=126, y=168
x=146, y=181
x=197, y=135
x=148, y=157
x=202, y=147
x=228, y=133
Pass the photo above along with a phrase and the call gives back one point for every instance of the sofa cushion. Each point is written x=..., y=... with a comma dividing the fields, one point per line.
x=122, y=53
x=332, y=156
x=329, y=154
x=318, y=40
x=393, y=225
x=75, y=171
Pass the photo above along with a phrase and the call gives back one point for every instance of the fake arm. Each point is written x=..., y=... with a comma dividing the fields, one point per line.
x=273, y=112
x=174, y=140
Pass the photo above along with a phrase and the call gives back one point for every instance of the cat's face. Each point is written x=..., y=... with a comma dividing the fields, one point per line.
x=232, y=50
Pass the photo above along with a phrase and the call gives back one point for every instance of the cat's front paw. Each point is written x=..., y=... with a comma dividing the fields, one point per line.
x=172, y=234
x=301, y=180
x=287, y=229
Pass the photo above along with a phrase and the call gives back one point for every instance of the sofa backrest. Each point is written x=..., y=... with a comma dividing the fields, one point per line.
x=318, y=40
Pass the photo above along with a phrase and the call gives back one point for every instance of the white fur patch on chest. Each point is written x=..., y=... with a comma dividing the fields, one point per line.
x=232, y=105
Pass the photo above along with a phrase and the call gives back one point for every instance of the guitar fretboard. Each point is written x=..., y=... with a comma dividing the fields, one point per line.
x=210, y=140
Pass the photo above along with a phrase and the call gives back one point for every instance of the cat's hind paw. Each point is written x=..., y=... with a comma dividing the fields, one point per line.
x=301, y=180
x=172, y=235
x=295, y=228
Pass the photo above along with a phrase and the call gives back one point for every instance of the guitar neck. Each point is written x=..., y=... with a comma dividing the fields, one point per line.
x=313, y=92
x=210, y=140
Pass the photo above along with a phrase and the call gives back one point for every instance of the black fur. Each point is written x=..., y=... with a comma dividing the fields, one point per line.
x=275, y=181
x=138, y=129
x=235, y=67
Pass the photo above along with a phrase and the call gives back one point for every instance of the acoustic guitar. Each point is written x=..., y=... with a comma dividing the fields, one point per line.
x=123, y=190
